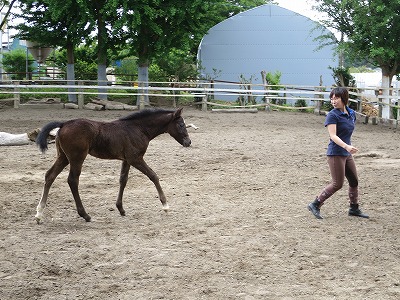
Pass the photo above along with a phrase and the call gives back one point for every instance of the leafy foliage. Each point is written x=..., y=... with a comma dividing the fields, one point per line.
x=6, y=7
x=343, y=77
x=369, y=30
x=127, y=69
x=52, y=22
x=163, y=32
x=274, y=79
x=245, y=84
x=84, y=63
x=177, y=64
x=15, y=62
x=301, y=103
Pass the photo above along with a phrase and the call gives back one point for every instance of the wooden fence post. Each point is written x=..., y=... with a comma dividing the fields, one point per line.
x=359, y=105
x=266, y=99
x=398, y=111
x=141, y=96
x=17, y=95
x=80, y=96
x=212, y=90
x=174, y=93
x=318, y=105
x=204, y=103
x=380, y=93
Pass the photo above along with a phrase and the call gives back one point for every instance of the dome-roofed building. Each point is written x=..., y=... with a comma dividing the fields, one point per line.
x=269, y=38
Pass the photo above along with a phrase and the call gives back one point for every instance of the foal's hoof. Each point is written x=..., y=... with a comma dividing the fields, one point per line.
x=38, y=218
x=165, y=207
x=87, y=218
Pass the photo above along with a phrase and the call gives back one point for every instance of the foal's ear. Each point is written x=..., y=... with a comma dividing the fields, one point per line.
x=178, y=113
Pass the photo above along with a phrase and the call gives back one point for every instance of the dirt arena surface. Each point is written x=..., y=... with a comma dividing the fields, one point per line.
x=238, y=227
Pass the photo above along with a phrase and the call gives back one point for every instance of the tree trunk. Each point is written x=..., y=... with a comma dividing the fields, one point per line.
x=102, y=81
x=71, y=72
x=101, y=58
x=143, y=78
x=386, y=112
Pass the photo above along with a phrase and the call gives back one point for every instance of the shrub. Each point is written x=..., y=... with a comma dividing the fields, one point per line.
x=301, y=103
x=15, y=62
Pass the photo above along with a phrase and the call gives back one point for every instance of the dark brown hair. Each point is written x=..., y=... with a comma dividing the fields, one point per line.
x=342, y=93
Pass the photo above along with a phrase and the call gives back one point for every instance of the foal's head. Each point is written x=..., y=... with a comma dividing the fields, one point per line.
x=177, y=129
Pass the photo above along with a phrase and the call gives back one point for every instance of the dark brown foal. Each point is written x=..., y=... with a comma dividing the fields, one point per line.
x=125, y=139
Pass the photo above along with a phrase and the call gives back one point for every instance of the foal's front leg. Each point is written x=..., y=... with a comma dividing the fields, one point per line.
x=123, y=179
x=145, y=169
x=73, y=182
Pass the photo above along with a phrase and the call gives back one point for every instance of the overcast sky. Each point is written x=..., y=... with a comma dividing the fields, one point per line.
x=300, y=6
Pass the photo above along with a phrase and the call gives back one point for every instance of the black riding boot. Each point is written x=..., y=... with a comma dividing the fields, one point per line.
x=355, y=211
x=314, y=208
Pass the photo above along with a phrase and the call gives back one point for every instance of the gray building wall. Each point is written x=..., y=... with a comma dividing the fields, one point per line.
x=269, y=38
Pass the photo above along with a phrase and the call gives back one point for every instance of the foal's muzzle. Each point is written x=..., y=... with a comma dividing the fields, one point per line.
x=186, y=142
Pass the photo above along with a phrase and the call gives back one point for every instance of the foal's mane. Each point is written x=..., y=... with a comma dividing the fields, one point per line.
x=145, y=113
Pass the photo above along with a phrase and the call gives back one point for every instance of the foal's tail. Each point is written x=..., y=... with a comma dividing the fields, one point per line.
x=41, y=139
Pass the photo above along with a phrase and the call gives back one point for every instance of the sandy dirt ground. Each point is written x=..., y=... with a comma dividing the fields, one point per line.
x=238, y=227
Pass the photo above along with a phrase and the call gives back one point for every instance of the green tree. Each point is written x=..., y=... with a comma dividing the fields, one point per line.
x=154, y=28
x=338, y=20
x=126, y=68
x=5, y=10
x=370, y=30
x=54, y=23
x=15, y=62
x=150, y=29
x=85, y=63
x=274, y=79
x=71, y=22
x=343, y=77
x=177, y=64
x=105, y=16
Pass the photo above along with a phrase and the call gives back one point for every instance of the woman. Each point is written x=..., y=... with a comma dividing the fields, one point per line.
x=340, y=122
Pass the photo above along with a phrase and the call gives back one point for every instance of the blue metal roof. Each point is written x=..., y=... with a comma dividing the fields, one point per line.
x=269, y=38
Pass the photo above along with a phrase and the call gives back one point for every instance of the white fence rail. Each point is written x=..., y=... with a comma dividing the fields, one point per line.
x=205, y=94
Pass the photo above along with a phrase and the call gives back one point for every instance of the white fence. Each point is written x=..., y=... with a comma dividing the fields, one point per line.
x=205, y=94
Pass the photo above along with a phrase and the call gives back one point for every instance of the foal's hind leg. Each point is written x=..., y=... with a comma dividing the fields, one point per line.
x=73, y=182
x=123, y=179
x=59, y=165
x=145, y=169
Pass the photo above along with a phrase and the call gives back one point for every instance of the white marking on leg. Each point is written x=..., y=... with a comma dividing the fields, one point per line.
x=40, y=207
x=165, y=207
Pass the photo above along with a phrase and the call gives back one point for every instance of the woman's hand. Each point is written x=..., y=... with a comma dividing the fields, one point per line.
x=351, y=149
x=338, y=141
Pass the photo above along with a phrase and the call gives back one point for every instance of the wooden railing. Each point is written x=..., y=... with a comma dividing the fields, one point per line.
x=205, y=94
